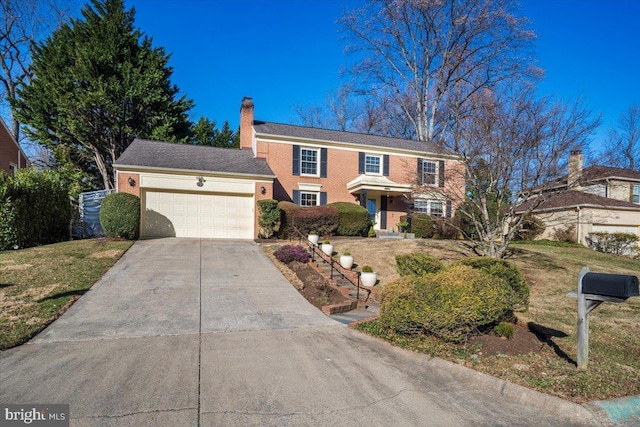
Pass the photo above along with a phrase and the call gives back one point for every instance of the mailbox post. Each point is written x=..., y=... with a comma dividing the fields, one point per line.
x=593, y=290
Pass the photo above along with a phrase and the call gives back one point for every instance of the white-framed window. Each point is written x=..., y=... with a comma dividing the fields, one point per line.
x=636, y=193
x=429, y=207
x=429, y=173
x=309, y=198
x=372, y=164
x=13, y=169
x=309, y=158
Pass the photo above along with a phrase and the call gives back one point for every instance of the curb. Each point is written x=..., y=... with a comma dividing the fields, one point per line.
x=573, y=413
x=624, y=411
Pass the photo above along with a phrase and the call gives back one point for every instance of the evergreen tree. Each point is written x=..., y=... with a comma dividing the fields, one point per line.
x=204, y=132
x=97, y=84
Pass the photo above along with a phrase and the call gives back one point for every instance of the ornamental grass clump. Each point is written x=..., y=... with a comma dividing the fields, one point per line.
x=452, y=304
x=289, y=253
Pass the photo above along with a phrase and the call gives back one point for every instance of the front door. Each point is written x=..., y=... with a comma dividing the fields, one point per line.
x=372, y=209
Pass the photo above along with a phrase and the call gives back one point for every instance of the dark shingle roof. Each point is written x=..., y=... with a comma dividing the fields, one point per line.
x=573, y=198
x=165, y=155
x=594, y=173
x=278, y=129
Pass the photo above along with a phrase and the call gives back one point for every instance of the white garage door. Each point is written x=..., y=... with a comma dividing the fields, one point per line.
x=167, y=214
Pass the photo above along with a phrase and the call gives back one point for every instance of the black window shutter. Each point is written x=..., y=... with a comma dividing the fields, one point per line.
x=419, y=175
x=323, y=198
x=448, y=214
x=296, y=197
x=296, y=160
x=441, y=174
x=383, y=212
x=385, y=165
x=323, y=163
x=361, y=162
x=363, y=199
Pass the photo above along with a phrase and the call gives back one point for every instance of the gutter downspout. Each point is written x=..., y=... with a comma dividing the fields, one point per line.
x=578, y=227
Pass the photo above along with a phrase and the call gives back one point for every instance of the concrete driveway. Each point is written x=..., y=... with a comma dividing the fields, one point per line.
x=188, y=332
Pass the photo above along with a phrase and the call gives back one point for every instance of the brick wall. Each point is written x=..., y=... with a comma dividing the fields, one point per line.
x=125, y=187
x=9, y=152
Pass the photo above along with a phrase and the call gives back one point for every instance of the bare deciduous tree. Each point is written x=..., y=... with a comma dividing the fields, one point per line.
x=430, y=57
x=513, y=146
x=623, y=144
x=21, y=23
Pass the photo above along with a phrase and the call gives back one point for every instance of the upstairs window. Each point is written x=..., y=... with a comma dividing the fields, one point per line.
x=309, y=161
x=429, y=173
x=372, y=164
x=636, y=193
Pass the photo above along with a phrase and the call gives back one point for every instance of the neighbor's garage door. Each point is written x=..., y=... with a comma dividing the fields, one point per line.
x=167, y=214
x=614, y=229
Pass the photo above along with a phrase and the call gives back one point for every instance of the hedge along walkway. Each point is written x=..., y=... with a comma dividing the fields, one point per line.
x=38, y=284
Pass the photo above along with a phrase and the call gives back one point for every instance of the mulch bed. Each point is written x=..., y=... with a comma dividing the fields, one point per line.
x=523, y=342
x=316, y=288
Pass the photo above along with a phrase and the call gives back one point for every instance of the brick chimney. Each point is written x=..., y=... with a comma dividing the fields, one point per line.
x=575, y=167
x=246, y=123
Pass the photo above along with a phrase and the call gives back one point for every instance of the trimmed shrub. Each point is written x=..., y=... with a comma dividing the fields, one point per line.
x=566, y=234
x=530, y=228
x=445, y=228
x=354, y=219
x=322, y=219
x=613, y=243
x=269, y=219
x=288, y=253
x=520, y=289
x=120, y=215
x=505, y=330
x=417, y=264
x=34, y=209
x=451, y=304
x=422, y=226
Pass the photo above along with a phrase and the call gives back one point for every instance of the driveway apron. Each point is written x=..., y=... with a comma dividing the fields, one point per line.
x=189, y=332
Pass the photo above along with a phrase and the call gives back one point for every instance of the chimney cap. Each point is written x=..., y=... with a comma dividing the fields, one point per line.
x=573, y=152
x=247, y=101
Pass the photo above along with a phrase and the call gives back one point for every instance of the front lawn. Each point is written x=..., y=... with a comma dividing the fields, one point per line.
x=614, y=353
x=38, y=284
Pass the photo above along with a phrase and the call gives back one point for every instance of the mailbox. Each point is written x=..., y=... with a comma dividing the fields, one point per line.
x=611, y=285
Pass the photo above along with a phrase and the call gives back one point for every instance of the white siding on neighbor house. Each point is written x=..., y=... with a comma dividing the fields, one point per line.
x=180, y=214
x=597, y=228
x=597, y=189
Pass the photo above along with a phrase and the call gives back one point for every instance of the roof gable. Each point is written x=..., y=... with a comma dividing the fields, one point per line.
x=166, y=155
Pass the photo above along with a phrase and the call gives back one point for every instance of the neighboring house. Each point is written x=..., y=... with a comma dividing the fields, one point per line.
x=592, y=199
x=12, y=158
x=183, y=187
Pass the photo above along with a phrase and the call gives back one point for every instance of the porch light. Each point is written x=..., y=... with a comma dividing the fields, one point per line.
x=263, y=190
x=131, y=181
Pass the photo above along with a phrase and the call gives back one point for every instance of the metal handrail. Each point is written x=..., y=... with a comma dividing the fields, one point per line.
x=315, y=251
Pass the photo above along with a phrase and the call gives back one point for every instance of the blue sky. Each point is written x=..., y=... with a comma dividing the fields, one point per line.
x=285, y=53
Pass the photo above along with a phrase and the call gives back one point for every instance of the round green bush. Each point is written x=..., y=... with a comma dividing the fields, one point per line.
x=422, y=226
x=451, y=304
x=120, y=215
x=417, y=264
x=354, y=219
x=507, y=271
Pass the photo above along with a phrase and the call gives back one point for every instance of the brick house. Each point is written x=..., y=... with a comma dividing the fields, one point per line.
x=307, y=166
x=12, y=158
x=592, y=199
